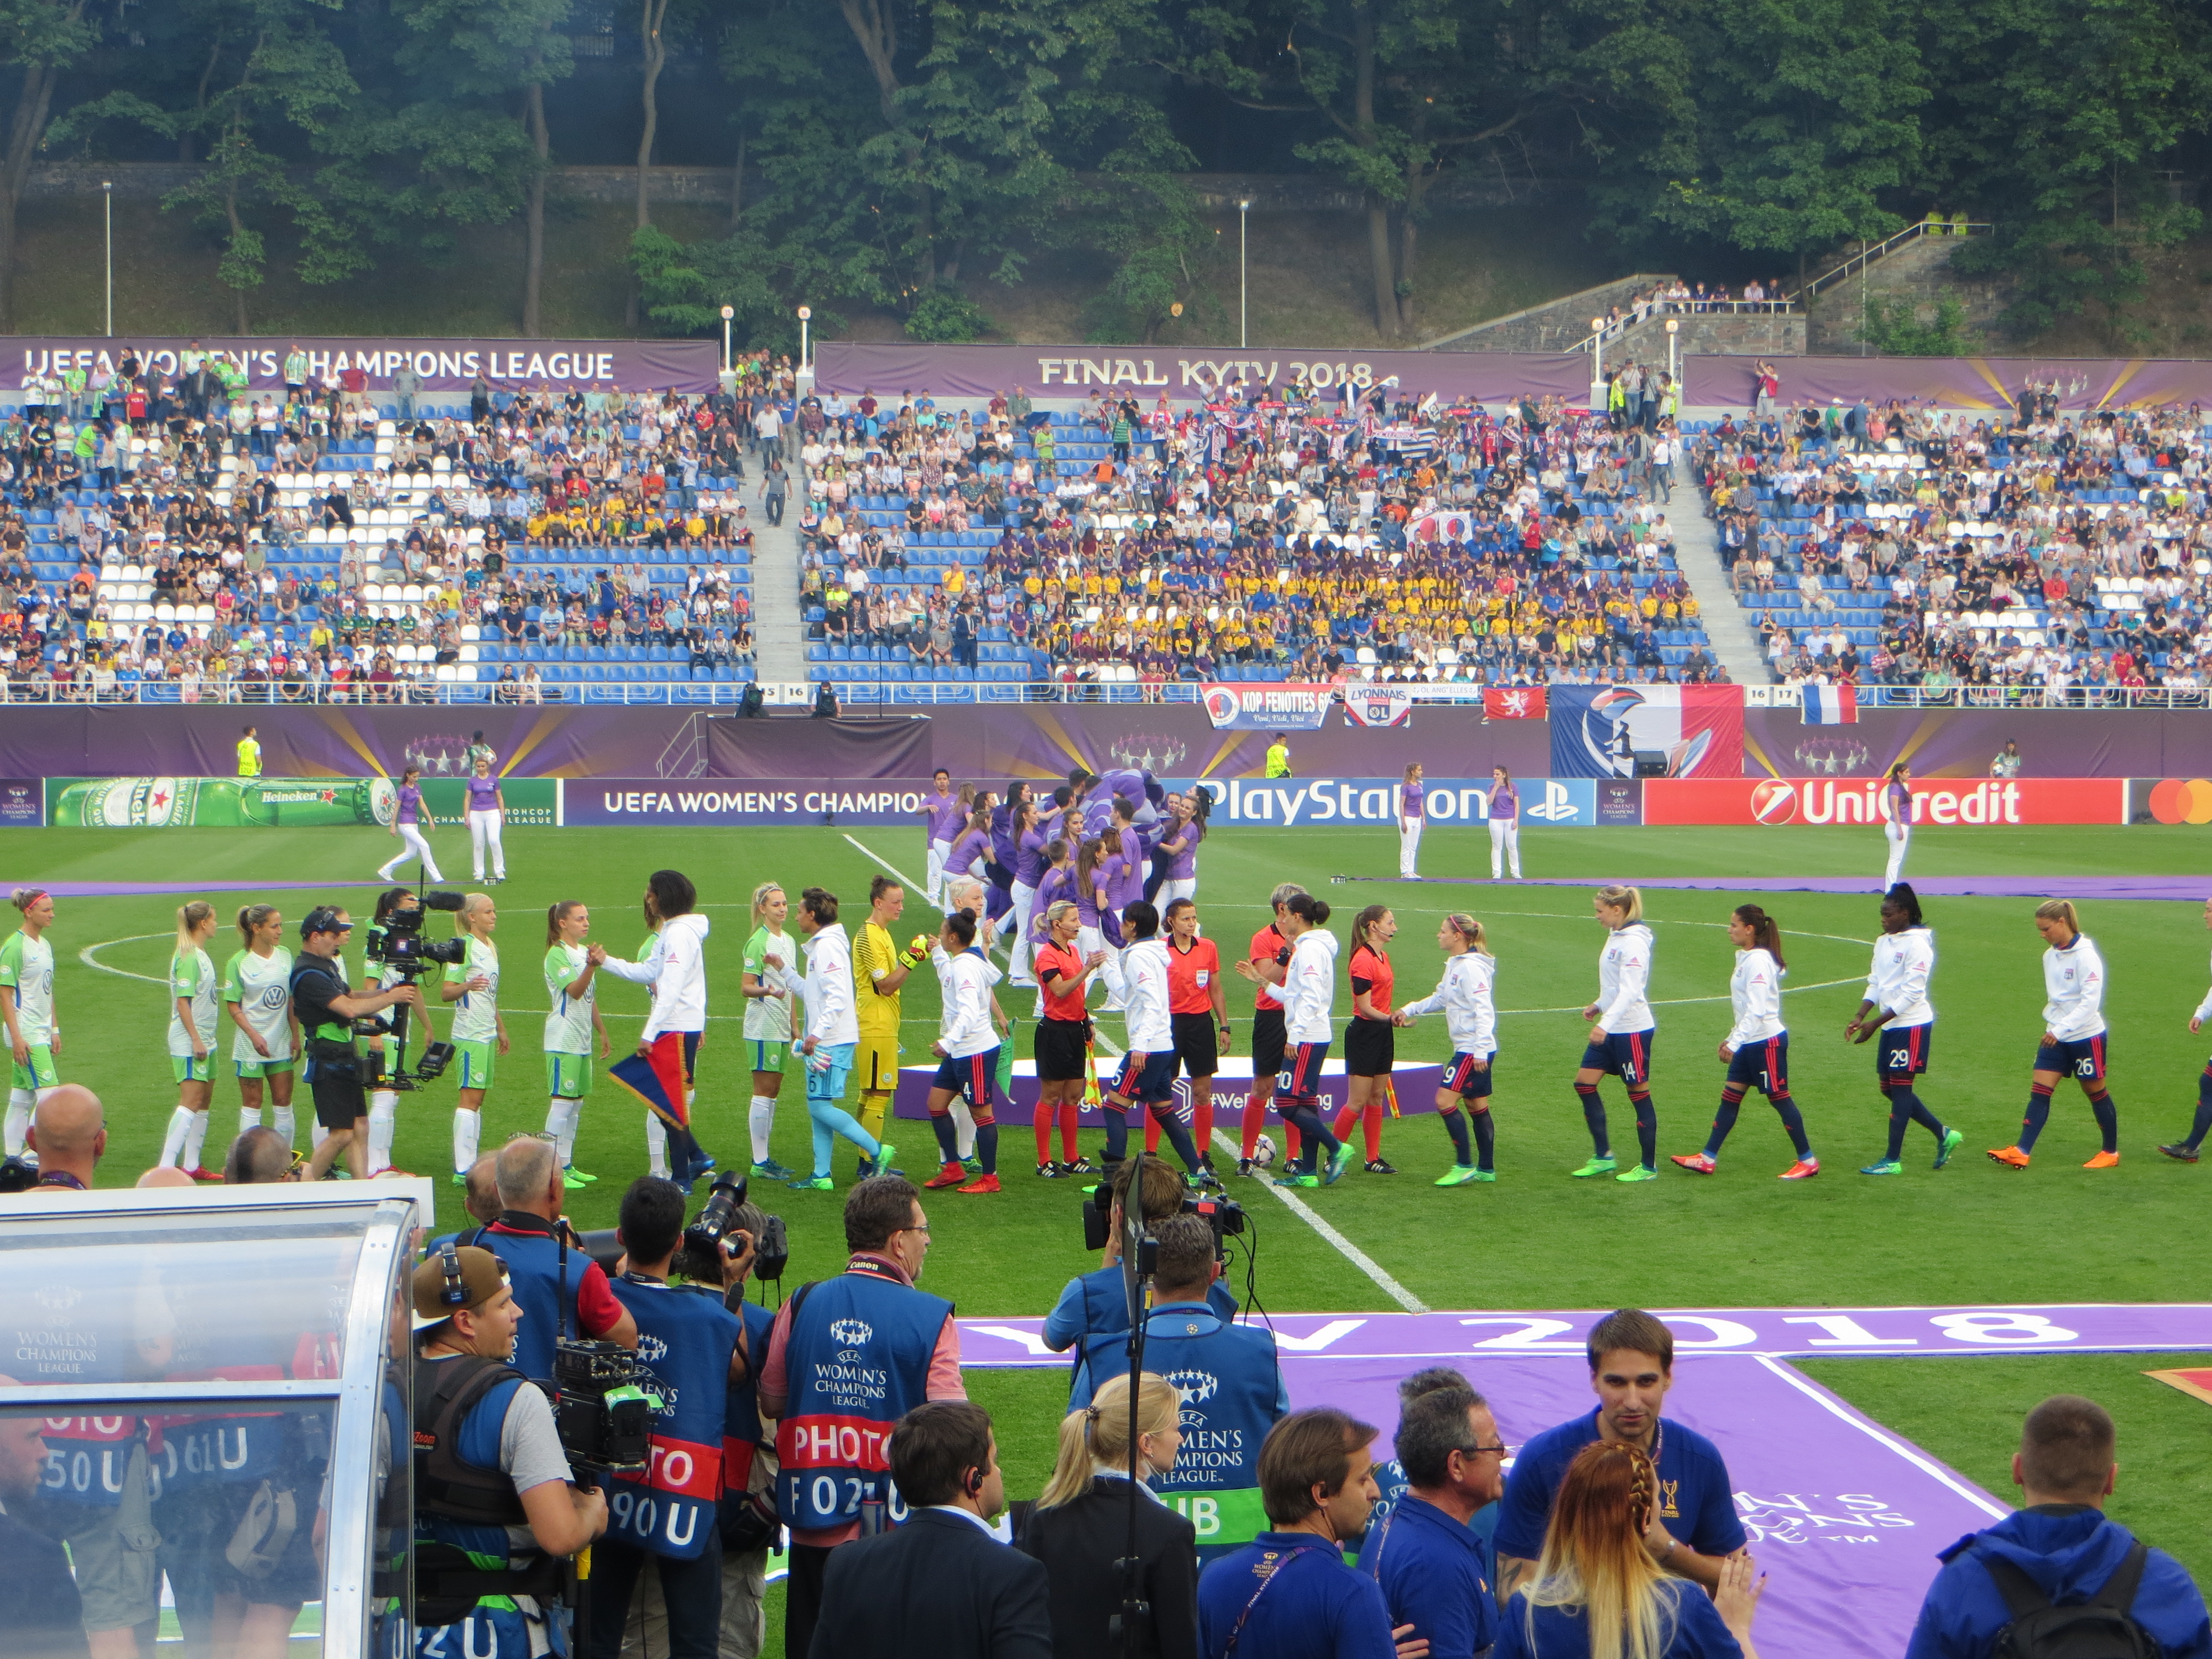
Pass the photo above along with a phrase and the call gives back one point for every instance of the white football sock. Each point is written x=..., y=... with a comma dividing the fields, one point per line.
x=561, y=1124
x=760, y=1120
x=20, y=1102
x=287, y=1125
x=196, y=1141
x=383, y=1119
x=317, y=1134
x=172, y=1143
x=964, y=1128
x=656, y=1146
x=467, y=1125
x=248, y=1118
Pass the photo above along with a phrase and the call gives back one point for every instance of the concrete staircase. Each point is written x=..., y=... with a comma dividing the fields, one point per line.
x=778, y=629
x=1555, y=325
x=1698, y=551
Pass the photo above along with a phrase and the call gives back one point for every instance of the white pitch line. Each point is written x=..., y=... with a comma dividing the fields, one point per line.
x=1925, y=1465
x=87, y=957
x=905, y=880
x=1350, y=1251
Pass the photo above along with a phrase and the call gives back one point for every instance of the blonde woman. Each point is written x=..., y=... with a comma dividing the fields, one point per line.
x=479, y=1031
x=1087, y=1502
x=572, y=1020
x=257, y=993
x=27, y=1009
x=767, y=1019
x=1599, y=1594
x=2073, y=1036
x=191, y=1040
x=1464, y=997
x=1620, y=1035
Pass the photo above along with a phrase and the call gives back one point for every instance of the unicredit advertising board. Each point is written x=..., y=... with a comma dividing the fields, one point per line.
x=1289, y=802
x=1864, y=800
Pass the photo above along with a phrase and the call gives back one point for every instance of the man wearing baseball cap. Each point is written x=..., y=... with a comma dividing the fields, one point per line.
x=326, y=1007
x=488, y=1459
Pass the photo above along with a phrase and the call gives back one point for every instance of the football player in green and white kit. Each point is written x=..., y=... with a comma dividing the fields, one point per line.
x=570, y=1022
x=767, y=1019
x=256, y=992
x=192, y=1007
x=479, y=1033
x=27, y=1008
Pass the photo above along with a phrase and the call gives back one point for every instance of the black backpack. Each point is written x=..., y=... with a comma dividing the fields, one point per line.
x=2099, y=1628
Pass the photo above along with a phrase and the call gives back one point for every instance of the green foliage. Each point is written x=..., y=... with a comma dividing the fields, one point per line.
x=1895, y=330
x=685, y=287
x=945, y=316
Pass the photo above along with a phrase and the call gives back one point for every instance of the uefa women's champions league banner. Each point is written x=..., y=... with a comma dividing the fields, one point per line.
x=443, y=365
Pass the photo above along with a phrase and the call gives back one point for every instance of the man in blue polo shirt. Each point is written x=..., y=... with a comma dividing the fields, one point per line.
x=1433, y=1568
x=1287, y=1593
x=1693, y=1526
x=2060, y=1548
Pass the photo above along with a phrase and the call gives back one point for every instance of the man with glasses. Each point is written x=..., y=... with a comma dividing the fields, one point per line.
x=1432, y=1565
x=848, y=1358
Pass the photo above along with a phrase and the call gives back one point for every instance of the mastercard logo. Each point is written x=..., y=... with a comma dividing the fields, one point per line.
x=2181, y=800
x=1773, y=800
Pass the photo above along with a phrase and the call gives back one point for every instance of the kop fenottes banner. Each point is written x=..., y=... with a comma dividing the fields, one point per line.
x=1285, y=706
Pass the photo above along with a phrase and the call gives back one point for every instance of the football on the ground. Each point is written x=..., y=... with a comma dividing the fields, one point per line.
x=1263, y=1152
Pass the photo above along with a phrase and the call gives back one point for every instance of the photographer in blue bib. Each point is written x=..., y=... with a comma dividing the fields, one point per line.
x=496, y=1509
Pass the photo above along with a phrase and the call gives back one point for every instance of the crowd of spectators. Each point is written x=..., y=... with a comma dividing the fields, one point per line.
x=1676, y=298
x=2057, y=558
x=1259, y=534
x=176, y=535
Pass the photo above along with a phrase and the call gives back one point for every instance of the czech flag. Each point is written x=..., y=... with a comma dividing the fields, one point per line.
x=1831, y=705
x=634, y=1072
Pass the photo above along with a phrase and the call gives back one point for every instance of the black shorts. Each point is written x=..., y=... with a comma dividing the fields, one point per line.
x=1269, y=1038
x=1197, y=1043
x=1369, y=1048
x=1063, y=1049
x=1902, y=1050
x=338, y=1102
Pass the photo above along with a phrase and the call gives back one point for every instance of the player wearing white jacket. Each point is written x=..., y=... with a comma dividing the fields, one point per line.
x=833, y=1029
x=1308, y=989
x=2073, y=1036
x=1896, y=1016
x=2188, y=1150
x=1463, y=996
x=1139, y=980
x=1620, y=1035
x=675, y=969
x=969, y=1055
x=1756, y=1050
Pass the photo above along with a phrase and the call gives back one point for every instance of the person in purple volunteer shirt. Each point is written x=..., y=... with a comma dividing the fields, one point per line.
x=1128, y=842
x=1179, y=847
x=1029, y=861
x=487, y=817
x=1412, y=815
x=971, y=850
x=1504, y=824
x=941, y=820
x=1897, y=826
x=409, y=820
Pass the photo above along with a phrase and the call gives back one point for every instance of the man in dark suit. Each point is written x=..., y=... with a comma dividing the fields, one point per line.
x=941, y=1583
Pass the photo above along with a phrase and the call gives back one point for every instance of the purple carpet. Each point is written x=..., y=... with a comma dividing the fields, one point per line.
x=2195, y=889
x=1845, y=1517
x=134, y=888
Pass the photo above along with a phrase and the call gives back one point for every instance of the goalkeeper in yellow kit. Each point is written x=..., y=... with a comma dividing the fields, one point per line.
x=879, y=968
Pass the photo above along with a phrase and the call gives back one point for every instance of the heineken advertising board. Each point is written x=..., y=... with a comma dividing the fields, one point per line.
x=153, y=803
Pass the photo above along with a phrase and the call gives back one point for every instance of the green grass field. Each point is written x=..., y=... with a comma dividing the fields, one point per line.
x=1973, y=1233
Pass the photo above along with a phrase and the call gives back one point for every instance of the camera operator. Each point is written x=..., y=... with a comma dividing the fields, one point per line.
x=1095, y=1303
x=494, y=1505
x=42, y=1610
x=544, y=1260
x=669, y=1512
x=326, y=1008
x=384, y=1103
x=1216, y=1479
x=848, y=1358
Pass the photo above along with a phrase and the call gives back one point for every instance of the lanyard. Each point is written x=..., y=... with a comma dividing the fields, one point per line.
x=1266, y=1583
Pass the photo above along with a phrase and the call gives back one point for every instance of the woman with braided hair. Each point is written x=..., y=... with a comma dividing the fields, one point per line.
x=1598, y=1592
x=1079, y=1526
x=1756, y=1050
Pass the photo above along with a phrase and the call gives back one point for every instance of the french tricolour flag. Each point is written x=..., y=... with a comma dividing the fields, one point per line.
x=1832, y=705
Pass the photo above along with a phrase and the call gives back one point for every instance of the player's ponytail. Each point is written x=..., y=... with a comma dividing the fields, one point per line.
x=1365, y=919
x=252, y=916
x=760, y=901
x=556, y=914
x=1904, y=899
x=1766, y=932
x=24, y=897
x=2059, y=910
x=1309, y=909
x=1469, y=929
x=191, y=918
x=1626, y=899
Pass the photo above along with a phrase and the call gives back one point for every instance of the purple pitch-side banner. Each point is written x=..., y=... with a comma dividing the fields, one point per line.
x=1967, y=383
x=1845, y=1517
x=443, y=365
x=1187, y=374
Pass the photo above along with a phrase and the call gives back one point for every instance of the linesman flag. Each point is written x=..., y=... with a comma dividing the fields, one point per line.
x=634, y=1072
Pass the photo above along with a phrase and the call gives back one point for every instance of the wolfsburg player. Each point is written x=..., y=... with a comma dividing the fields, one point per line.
x=767, y=1019
x=257, y=993
x=27, y=1006
x=479, y=1032
x=572, y=1017
x=191, y=1039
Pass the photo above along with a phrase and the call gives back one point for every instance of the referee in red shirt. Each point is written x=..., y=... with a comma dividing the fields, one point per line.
x=1199, y=1017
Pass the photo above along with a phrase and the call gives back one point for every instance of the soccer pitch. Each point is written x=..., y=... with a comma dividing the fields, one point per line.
x=1971, y=1234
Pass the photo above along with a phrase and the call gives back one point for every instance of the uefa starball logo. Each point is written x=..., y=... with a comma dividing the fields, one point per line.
x=1194, y=1388
x=651, y=1349
x=850, y=1333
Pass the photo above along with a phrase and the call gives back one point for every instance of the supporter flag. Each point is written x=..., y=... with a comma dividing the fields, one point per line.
x=1376, y=705
x=634, y=1072
x=1513, y=702
x=1599, y=731
x=1831, y=705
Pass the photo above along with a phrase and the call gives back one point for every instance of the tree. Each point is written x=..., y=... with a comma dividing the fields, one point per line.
x=38, y=38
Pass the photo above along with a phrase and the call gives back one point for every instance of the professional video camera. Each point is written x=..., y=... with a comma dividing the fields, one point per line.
x=398, y=948
x=1224, y=1215
x=602, y=1405
x=697, y=1256
x=18, y=1174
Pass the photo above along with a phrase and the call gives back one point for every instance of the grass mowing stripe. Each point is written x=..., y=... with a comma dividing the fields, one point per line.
x=1926, y=1465
x=1350, y=1251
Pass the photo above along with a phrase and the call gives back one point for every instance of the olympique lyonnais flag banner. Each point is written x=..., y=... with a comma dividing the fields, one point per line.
x=1376, y=705
x=1514, y=702
x=1831, y=705
x=1286, y=707
x=634, y=1072
x=1597, y=731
